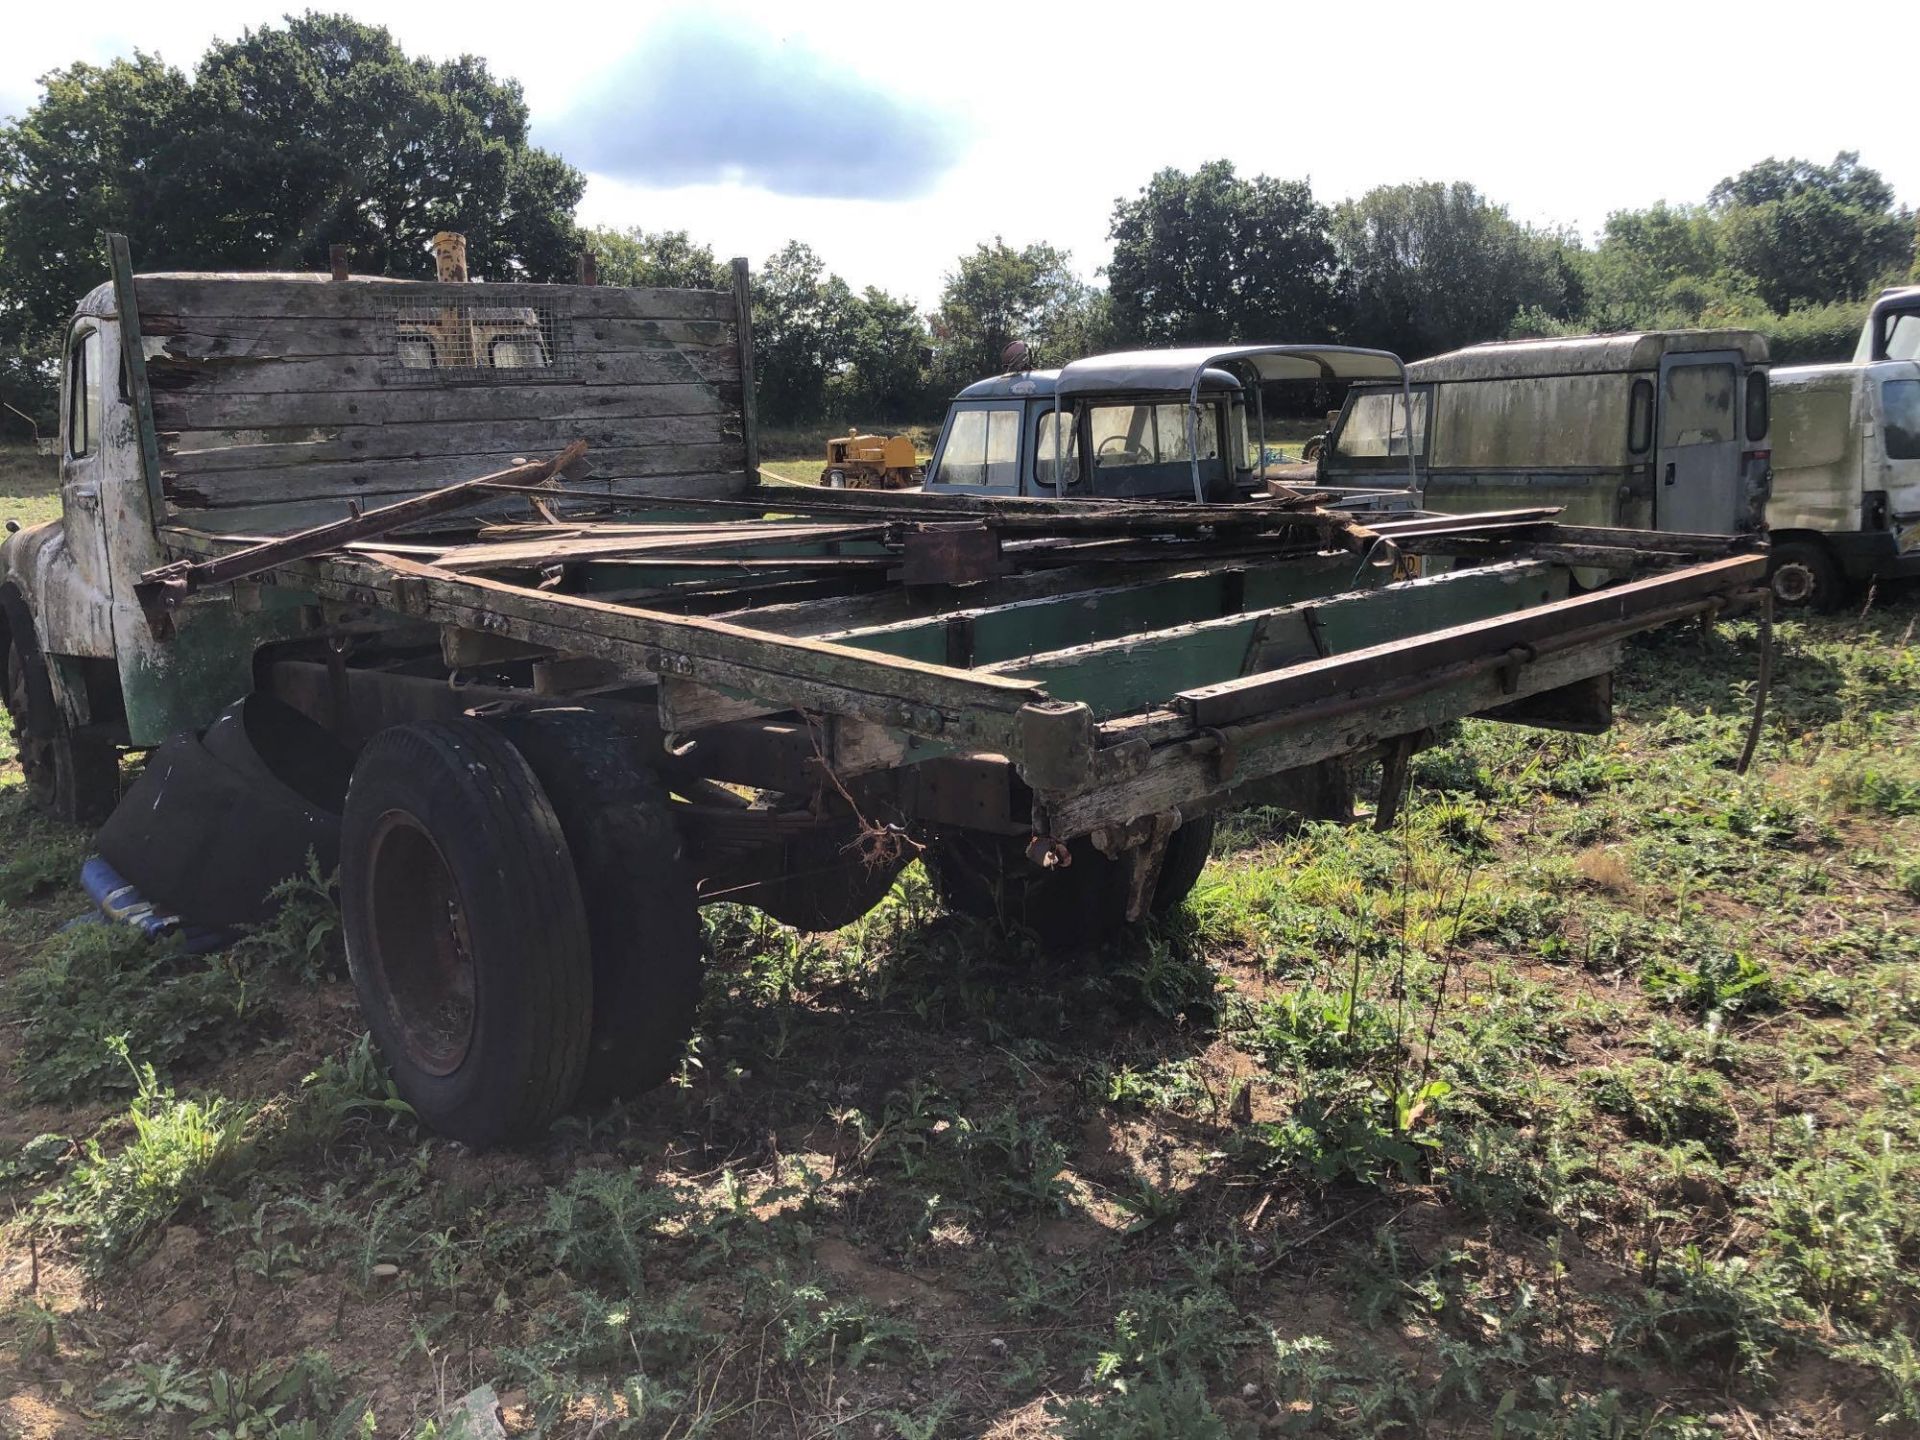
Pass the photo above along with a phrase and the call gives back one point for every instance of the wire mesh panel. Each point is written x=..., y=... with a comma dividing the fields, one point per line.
x=463, y=341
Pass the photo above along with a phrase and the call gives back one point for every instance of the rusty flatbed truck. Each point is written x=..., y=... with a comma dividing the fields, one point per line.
x=588, y=696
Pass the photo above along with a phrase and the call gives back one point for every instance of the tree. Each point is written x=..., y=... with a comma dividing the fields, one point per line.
x=801, y=314
x=1210, y=256
x=1431, y=267
x=999, y=294
x=1654, y=267
x=1802, y=233
x=666, y=258
x=285, y=142
x=886, y=346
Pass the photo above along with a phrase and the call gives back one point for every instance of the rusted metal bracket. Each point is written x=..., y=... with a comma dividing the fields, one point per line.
x=1140, y=845
x=950, y=555
x=165, y=587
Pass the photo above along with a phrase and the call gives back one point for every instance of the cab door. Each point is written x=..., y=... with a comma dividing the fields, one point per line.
x=1698, y=485
x=87, y=623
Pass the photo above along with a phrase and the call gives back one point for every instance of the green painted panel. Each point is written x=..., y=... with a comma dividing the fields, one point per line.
x=182, y=683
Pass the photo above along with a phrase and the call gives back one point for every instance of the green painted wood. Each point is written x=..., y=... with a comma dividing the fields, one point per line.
x=1116, y=676
x=1000, y=633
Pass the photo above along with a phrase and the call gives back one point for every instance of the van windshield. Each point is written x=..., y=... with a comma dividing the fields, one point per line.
x=1376, y=426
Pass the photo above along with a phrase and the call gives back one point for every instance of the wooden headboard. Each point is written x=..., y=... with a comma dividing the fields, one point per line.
x=279, y=399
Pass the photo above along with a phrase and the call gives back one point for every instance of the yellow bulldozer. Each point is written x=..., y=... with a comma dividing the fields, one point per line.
x=870, y=462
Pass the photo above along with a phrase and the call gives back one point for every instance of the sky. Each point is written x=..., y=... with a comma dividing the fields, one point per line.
x=895, y=137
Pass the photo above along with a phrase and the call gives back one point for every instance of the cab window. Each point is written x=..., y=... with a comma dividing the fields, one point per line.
x=1126, y=436
x=1056, y=449
x=1900, y=402
x=1697, y=408
x=1376, y=427
x=517, y=352
x=983, y=448
x=83, y=395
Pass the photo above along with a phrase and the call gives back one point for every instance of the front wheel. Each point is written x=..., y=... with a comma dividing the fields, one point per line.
x=1803, y=576
x=67, y=776
x=466, y=935
x=835, y=480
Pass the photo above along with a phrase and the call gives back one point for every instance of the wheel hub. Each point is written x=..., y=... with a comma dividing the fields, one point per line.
x=422, y=960
x=1793, y=582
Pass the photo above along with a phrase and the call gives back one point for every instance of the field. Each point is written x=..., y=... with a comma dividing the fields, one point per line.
x=1583, y=1102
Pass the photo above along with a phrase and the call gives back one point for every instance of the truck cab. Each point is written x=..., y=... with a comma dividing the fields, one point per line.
x=1141, y=425
x=1846, y=489
x=1892, y=331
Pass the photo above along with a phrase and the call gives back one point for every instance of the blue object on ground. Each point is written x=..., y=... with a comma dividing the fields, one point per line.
x=122, y=904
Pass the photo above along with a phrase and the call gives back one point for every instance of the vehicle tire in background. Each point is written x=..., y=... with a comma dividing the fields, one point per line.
x=1804, y=576
x=70, y=777
x=641, y=903
x=465, y=932
x=824, y=884
x=990, y=878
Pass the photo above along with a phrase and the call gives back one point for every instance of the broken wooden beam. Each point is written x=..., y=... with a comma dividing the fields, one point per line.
x=162, y=588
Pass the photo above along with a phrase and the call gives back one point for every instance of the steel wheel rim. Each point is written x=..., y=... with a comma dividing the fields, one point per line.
x=421, y=963
x=1793, y=583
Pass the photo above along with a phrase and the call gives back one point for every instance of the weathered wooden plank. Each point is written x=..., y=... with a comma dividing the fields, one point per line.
x=1186, y=776
x=393, y=477
x=747, y=540
x=203, y=337
x=789, y=672
x=668, y=365
x=268, y=295
x=205, y=452
x=433, y=404
x=1236, y=700
x=307, y=511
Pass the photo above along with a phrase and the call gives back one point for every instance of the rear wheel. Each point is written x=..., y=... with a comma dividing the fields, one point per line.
x=67, y=776
x=1071, y=906
x=1803, y=576
x=641, y=903
x=465, y=931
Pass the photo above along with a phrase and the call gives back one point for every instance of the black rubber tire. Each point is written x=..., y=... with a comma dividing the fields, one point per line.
x=990, y=878
x=642, y=904
x=1804, y=576
x=824, y=887
x=68, y=777
x=491, y=897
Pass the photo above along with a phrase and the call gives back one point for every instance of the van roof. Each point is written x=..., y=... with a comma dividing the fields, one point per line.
x=1021, y=384
x=1584, y=354
x=1841, y=374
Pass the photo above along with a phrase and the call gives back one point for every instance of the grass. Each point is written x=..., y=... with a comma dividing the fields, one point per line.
x=1583, y=1102
x=29, y=490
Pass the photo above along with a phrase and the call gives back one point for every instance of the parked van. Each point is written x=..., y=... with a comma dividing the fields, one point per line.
x=1846, y=476
x=1186, y=423
x=1664, y=430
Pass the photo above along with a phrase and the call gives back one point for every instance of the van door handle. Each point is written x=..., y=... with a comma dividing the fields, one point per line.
x=1670, y=465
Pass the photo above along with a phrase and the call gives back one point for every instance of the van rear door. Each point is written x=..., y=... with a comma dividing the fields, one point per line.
x=1699, y=487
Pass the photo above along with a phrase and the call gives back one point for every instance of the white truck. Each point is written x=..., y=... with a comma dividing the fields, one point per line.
x=1846, y=462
